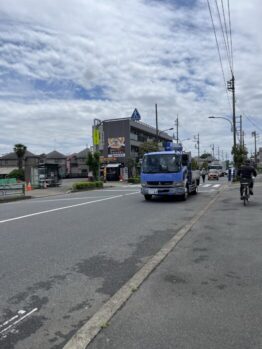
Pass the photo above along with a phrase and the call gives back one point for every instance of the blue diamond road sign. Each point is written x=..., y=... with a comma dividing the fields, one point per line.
x=135, y=116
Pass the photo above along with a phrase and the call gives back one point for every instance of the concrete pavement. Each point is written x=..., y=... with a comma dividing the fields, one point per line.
x=207, y=293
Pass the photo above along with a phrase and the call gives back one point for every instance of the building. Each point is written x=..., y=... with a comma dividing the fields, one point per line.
x=50, y=167
x=76, y=164
x=120, y=140
x=9, y=162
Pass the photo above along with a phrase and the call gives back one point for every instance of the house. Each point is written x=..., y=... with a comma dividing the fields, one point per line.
x=76, y=164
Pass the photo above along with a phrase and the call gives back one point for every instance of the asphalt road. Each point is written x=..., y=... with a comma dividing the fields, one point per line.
x=207, y=293
x=63, y=257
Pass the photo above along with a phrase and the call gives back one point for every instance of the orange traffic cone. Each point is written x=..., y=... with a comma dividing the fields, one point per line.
x=29, y=187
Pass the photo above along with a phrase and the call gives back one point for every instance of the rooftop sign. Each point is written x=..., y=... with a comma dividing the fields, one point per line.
x=135, y=116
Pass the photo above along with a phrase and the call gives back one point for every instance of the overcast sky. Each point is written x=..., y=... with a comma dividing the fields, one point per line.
x=64, y=63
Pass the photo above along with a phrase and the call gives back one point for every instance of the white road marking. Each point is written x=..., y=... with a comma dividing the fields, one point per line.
x=136, y=192
x=95, y=324
x=117, y=190
x=19, y=320
x=206, y=185
x=216, y=185
x=68, y=199
x=8, y=321
x=59, y=209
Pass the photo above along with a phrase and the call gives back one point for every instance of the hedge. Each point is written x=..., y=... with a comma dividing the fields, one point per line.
x=135, y=180
x=87, y=185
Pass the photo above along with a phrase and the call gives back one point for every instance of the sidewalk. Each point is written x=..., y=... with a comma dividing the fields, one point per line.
x=207, y=293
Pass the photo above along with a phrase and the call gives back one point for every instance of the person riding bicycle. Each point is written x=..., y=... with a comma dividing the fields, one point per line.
x=246, y=171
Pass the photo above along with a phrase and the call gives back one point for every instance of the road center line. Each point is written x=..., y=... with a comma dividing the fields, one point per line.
x=59, y=209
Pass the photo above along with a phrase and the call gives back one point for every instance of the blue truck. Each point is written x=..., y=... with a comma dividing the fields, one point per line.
x=168, y=173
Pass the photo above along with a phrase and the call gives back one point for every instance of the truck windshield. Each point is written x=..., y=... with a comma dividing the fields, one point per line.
x=161, y=163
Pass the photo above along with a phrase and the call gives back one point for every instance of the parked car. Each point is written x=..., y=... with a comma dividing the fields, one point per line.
x=213, y=174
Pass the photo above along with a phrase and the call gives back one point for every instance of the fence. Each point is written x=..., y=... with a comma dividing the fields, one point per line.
x=12, y=189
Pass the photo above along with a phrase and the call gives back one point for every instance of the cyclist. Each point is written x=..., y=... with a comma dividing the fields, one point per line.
x=246, y=171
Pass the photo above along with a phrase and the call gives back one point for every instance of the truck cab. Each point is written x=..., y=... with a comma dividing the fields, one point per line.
x=168, y=173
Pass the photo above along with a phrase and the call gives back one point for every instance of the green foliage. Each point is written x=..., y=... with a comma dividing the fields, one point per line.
x=135, y=180
x=87, y=185
x=93, y=163
x=239, y=155
x=20, y=150
x=205, y=155
x=205, y=165
x=148, y=147
x=18, y=174
x=195, y=165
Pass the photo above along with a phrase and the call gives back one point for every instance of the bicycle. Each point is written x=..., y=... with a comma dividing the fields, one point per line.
x=245, y=191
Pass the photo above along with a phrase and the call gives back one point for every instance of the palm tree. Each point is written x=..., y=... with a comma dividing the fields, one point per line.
x=20, y=151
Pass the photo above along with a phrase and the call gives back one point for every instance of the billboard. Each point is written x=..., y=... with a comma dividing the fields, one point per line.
x=116, y=147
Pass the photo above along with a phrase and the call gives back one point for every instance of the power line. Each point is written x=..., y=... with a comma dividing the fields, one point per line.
x=223, y=35
x=252, y=122
x=218, y=50
x=226, y=31
x=230, y=33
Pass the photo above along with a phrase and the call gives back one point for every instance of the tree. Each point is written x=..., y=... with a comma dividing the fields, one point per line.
x=93, y=162
x=148, y=147
x=239, y=155
x=205, y=155
x=20, y=151
x=18, y=174
x=194, y=164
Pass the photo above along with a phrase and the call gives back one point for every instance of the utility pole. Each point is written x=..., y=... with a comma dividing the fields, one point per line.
x=218, y=153
x=255, y=135
x=176, y=124
x=231, y=87
x=197, y=145
x=213, y=150
x=156, y=125
x=241, y=132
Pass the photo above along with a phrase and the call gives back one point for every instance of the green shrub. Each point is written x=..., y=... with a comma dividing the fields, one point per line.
x=18, y=174
x=87, y=185
x=135, y=180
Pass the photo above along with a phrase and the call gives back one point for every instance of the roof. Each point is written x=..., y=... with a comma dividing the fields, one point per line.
x=55, y=155
x=83, y=153
x=6, y=170
x=13, y=156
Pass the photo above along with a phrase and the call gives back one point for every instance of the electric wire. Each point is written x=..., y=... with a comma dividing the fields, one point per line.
x=223, y=35
x=218, y=50
x=252, y=122
x=230, y=34
x=227, y=35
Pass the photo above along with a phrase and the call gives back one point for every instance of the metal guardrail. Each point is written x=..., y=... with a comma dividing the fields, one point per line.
x=8, y=190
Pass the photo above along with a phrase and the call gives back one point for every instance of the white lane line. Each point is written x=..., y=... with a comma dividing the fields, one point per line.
x=17, y=321
x=59, y=209
x=136, y=192
x=216, y=185
x=117, y=190
x=68, y=199
x=8, y=321
x=206, y=185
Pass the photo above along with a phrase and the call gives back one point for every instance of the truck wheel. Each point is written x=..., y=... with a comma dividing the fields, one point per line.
x=148, y=197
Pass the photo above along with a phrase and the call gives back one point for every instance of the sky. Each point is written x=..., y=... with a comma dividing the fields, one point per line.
x=64, y=63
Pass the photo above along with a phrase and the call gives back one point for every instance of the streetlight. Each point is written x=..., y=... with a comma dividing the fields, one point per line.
x=221, y=117
x=169, y=129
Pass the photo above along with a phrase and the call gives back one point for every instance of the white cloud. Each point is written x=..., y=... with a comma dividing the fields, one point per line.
x=139, y=52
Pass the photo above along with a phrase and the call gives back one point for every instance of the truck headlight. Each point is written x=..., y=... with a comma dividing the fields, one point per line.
x=143, y=184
